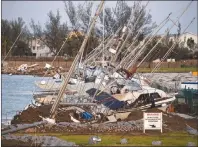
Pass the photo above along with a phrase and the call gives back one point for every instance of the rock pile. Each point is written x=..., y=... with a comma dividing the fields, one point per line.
x=76, y=128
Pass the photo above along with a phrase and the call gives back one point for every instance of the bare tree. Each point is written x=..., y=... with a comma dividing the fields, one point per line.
x=141, y=20
x=109, y=21
x=122, y=13
x=84, y=14
x=71, y=12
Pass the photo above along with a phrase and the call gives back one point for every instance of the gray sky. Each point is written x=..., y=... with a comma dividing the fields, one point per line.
x=38, y=10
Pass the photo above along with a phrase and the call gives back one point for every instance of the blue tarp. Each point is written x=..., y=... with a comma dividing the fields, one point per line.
x=106, y=99
x=86, y=115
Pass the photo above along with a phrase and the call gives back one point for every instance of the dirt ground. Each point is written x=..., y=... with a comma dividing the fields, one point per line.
x=17, y=143
x=170, y=122
x=31, y=115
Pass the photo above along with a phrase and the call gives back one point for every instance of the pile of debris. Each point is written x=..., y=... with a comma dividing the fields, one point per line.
x=34, y=69
x=132, y=123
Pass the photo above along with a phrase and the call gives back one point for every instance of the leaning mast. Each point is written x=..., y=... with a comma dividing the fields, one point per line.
x=72, y=68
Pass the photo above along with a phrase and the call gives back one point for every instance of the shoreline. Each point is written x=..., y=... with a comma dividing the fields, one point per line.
x=27, y=74
x=51, y=75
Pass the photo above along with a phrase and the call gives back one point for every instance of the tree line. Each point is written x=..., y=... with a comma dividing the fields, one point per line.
x=55, y=32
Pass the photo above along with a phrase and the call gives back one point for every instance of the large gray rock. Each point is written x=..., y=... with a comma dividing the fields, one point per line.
x=191, y=144
x=123, y=141
x=191, y=130
x=94, y=140
x=157, y=143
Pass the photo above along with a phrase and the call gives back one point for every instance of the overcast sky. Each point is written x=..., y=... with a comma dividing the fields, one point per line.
x=38, y=10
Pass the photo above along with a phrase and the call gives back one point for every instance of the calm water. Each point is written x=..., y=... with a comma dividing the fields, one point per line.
x=16, y=92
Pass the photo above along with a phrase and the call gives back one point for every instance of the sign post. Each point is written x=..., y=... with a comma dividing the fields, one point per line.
x=152, y=121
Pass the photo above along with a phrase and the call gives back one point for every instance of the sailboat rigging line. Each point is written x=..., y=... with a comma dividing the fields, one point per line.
x=108, y=85
x=159, y=63
x=98, y=87
x=13, y=45
x=57, y=55
x=133, y=61
x=159, y=41
x=142, y=46
x=134, y=40
x=103, y=58
x=119, y=43
x=103, y=44
x=114, y=16
x=72, y=68
x=93, y=52
x=96, y=49
x=173, y=22
x=130, y=32
x=54, y=60
x=88, y=25
x=171, y=48
x=109, y=44
x=166, y=20
x=130, y=55
x=114, y=25
x=122, y=37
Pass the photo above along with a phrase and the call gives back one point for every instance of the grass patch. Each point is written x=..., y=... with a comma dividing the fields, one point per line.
x=168, y=139
x=169, y=70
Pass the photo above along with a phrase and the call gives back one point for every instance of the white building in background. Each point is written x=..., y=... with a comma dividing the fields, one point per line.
x=39, y=49
x=184, y=38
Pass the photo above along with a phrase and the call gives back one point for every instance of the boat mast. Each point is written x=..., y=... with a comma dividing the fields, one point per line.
x=141, y=51
x=170, y=49
x=72, y=68
x=103, y=58
x=130, y=30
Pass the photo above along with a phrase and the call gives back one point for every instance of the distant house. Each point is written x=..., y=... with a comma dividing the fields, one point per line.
x=184, y=38
x=39, y=48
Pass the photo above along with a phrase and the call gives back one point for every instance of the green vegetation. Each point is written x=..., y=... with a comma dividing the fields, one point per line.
x=168, y=70
x=168, y=139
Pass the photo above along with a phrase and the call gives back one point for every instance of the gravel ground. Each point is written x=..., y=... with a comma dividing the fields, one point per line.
x=133, y=124
x=40, y=140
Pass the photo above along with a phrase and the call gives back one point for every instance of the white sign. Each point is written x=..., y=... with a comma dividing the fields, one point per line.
x=152, y=121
